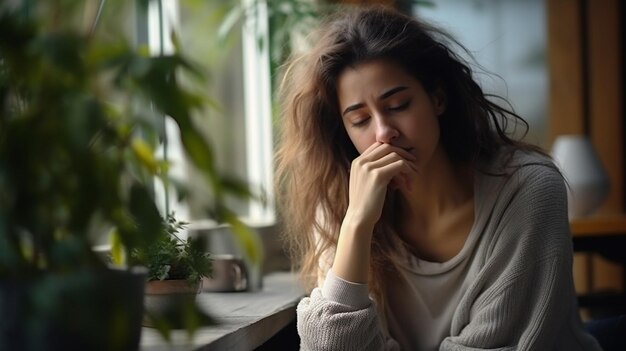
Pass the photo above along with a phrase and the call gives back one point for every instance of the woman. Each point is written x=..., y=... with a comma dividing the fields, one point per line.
x=418, y=221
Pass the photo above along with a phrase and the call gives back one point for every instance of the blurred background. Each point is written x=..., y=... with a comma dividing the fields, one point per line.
x=558, y=62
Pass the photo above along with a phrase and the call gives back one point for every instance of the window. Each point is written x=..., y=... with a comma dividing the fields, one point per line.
x=239, y=128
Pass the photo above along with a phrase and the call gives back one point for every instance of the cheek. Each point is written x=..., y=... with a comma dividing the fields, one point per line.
x=428, y=135
x=427, y=124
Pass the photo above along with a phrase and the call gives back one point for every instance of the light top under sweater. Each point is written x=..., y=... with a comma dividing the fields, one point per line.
x=509, y=288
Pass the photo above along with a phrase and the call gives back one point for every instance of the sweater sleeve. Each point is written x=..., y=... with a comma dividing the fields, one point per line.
x=523, y=299
x=340, y=316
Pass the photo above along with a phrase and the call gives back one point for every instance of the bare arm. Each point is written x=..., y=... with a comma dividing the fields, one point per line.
x=339, y=315
x=370, y=175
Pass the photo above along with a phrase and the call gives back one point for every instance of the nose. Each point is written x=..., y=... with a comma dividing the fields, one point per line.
x=385, y=132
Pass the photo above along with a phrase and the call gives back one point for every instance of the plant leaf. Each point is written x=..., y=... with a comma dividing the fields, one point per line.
x=246, y=238
x=118, y=257
x=146, y=215
x=227, y=25
x=144, y=154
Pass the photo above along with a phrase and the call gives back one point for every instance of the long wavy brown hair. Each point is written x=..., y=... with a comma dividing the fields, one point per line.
x=315, y=153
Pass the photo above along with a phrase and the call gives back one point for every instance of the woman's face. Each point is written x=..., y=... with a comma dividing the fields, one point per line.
x=380, y=102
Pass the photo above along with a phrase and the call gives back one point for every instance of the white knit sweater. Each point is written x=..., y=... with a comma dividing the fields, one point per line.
x=509, y=288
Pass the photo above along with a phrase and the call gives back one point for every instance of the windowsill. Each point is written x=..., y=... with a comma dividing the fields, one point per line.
x=245, y=319
x=253, y=223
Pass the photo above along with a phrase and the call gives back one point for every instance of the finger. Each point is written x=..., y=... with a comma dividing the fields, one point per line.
x=383, y=161
x=378, y=150
x=385, y=172
x=403, y=152
x=371, y=148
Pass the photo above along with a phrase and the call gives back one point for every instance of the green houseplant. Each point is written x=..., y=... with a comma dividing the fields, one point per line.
x=176, y=268
x=172, y=258
x=81, y=113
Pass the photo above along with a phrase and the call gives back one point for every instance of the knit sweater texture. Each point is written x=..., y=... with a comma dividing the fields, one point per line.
x=509, y=288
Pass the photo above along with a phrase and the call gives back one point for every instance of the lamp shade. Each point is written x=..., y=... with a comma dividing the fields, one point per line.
x=587, y=180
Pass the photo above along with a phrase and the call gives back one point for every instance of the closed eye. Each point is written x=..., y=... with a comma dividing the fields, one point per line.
x=360, y=122
x=399, y=107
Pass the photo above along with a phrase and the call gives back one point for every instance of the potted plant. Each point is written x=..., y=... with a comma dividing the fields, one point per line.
x=176, y=268
x=81, y=112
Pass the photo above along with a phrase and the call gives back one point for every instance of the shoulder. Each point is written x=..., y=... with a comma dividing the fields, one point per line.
x=529, y=200
x=531, y=164
x=526, y=171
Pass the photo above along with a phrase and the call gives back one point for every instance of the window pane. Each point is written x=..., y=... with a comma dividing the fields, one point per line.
x=239, y=129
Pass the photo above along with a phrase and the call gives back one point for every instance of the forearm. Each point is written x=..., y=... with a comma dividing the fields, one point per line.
x=352, y=256
x=340, y=316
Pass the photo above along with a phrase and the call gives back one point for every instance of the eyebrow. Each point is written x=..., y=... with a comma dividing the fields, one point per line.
x=383, y=96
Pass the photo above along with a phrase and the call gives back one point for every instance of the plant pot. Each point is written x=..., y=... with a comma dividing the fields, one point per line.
x=86, y=309
x=168, y=300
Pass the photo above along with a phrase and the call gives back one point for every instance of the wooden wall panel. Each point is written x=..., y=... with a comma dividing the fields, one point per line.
x=606, y=118
x=565, y=106
x=585, y=62
x=606, y=92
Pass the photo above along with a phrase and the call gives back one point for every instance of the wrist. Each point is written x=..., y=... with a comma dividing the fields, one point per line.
x=359, y=234
x=357, y=222
x=352, y=255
